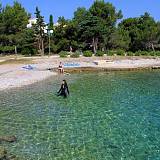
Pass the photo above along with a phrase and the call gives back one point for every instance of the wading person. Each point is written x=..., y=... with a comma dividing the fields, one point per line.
x=64, y=91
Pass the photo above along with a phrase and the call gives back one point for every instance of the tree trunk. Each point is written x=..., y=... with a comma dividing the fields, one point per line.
x=42, y=45
x=95, y=44
x=39, y=45
x=152, y=47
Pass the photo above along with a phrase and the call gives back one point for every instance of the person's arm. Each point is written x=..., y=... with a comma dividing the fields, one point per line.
x=67, y=90
x=60, y=90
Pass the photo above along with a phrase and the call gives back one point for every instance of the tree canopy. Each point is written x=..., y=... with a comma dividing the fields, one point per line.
x=100, y=27
x=143, y=32
x=13, y=21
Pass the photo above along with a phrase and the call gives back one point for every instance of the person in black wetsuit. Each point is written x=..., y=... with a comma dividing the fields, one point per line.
x=63, y=91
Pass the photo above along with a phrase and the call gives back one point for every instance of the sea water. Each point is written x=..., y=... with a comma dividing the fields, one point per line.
x=108, y=116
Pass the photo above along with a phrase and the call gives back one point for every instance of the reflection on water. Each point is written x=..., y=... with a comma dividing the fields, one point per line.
x=109, y=116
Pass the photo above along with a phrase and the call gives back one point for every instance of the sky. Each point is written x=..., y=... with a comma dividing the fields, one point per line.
x=66, y=8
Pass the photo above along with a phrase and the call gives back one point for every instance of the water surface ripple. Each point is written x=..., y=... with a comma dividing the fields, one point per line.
x=108, y=116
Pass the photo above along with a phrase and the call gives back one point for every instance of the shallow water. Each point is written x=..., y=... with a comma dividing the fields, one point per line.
x=108, y=116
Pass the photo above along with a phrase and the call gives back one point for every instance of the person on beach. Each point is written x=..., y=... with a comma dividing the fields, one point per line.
x=60, y=68
x=63, y=91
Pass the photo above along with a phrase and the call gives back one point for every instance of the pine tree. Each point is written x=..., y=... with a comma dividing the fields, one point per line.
x=50, y=26
x=39, y=29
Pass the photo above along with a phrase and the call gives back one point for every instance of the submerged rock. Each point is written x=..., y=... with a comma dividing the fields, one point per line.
x=9, y=139
x=3, y=153
x=12, y=157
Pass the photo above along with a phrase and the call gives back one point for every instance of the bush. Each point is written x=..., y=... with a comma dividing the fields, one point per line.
x=137, y=53
x=75, y=55
x=116, y=52
x=87, y=54
x=141, y=53
x=63, y=54
x=130, y=53
x=99, y=53
x=144, y=53
x=120, y=52
x=157, y=53
x=110, y=53
x=152, y=53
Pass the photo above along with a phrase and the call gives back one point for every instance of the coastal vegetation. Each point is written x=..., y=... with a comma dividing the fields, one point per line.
x=98, y=30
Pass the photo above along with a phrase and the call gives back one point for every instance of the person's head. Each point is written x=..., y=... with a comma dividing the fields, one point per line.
x=60, y=62
x=64, y=82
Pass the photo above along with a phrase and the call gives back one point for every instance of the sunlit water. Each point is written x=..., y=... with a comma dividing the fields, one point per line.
x=108, y=116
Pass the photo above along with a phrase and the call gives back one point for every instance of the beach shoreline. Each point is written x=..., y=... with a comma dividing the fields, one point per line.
x=13, y=74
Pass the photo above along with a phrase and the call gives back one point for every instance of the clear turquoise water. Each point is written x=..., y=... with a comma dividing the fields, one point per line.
x=109, y=116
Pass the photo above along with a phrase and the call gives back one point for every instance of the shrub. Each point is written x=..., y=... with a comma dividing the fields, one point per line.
x=110, y=53
x=120, y=52
x=75, y=55
x=144, y=53
x=130, y=53
x=152, y=53
x=63, y=54
x=137, y=53
x=87, y=54
x=157, y=53
x=99, y=53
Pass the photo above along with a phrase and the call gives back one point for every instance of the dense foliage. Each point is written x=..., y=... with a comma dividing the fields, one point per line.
x=13, y=22
x=87, y=54
x=94, y=30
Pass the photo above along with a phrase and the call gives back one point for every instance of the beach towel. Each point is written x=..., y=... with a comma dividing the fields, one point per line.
x=28, y=67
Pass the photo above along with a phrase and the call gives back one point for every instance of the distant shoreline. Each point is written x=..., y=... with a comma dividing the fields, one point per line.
x=13, y=75
x=91, y=69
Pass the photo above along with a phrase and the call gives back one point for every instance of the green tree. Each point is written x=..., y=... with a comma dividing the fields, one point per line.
x=106, y=12
x=80, y=14
x=157, y=46
x=13, y=20
x=0, y=7
x=39, y=30
x=119, y=39
x=143, y=32
x=97, y=23
x=50, y=25
x=27, y=41
x=60, y=39
x=150, y=30
x=62, y=22
x=90, y=31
